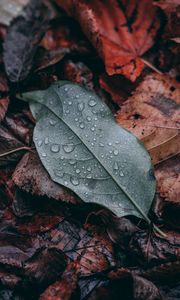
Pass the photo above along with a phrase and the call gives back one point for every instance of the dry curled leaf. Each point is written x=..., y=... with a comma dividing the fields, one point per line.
x=121, y=31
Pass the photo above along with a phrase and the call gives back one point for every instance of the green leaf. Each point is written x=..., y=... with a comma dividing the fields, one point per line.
x=82, y=148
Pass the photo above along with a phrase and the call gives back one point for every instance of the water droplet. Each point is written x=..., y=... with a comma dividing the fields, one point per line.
x=115, y=152
x=81, y=106
x=72, y=162
x=52, y=122
x=116, y=142
x=88, y=119
x=121, y=173
x=59, y=173
x=92, y=144
x=95, y=118
x=89, y=169
x=94, y=139
x=55, y=148
x=81, y=125
x=62, y=157
x=43, y=154
x=78, y=171
x=92, y=128
x=89, y=176
x=77, y=96
x=70, y=102
x=67, y=111
x=92, y=103
x=36, y=138
x=102, y=155
x=46, y=141
x=65, y=182
x=115, y=167
x=74, y=181
x=110, y=144
x=110, y=151
x=68, y=148
x=76, y=119
x=39, y=143
x=101, y=144
x=66, y=89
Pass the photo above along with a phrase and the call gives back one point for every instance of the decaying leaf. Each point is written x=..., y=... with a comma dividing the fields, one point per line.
x=168, y=179
x=121, y=31
x=4, y=101
x=31, y=176
x=64, y=288
x=152, y=114
x=22, y=40
x=172, y=10
x=79, y=151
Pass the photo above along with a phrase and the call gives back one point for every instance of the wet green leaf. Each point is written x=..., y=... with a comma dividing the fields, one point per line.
x=82, y=148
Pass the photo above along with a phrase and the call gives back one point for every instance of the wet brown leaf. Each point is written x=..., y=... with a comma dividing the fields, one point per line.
x=152, y=114
x=4, y=101
x=64, y=288
x=31, y=177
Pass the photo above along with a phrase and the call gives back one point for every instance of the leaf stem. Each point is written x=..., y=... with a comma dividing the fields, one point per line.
x=159, y=231
x=147, y=63
x=16, y=150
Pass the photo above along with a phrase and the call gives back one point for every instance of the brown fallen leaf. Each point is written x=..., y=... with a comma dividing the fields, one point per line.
x=31, y=177
x=45, y=266
x=4, y=101
x=64, y=288
x=152, y=114
x=121, y=31
x=150, y=250
x=168, y=180
x=172, y=10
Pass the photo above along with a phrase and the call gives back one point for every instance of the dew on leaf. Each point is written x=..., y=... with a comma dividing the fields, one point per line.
x=115, y=152
x=59, y=173
x=39, y=143
x=72, y=162
x=52, y=122
x=101, y=144
x=43, y=154
x=88, y=119
x=81, y=126
x=115, y=167
x=89, y=176
x=46, y=141
x=121, y=173
x=68, y=148
x=81, y=106
x=74, y=181
x=92, y=103
x=78, y=171
x=55, y=148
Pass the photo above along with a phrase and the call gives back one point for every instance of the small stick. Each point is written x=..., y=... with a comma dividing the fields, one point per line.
x=15, y=150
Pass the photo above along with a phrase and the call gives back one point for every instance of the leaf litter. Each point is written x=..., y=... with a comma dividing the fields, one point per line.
x=48, y=235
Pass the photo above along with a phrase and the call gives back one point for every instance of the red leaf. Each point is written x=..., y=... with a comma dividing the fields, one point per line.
x=121, y=31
